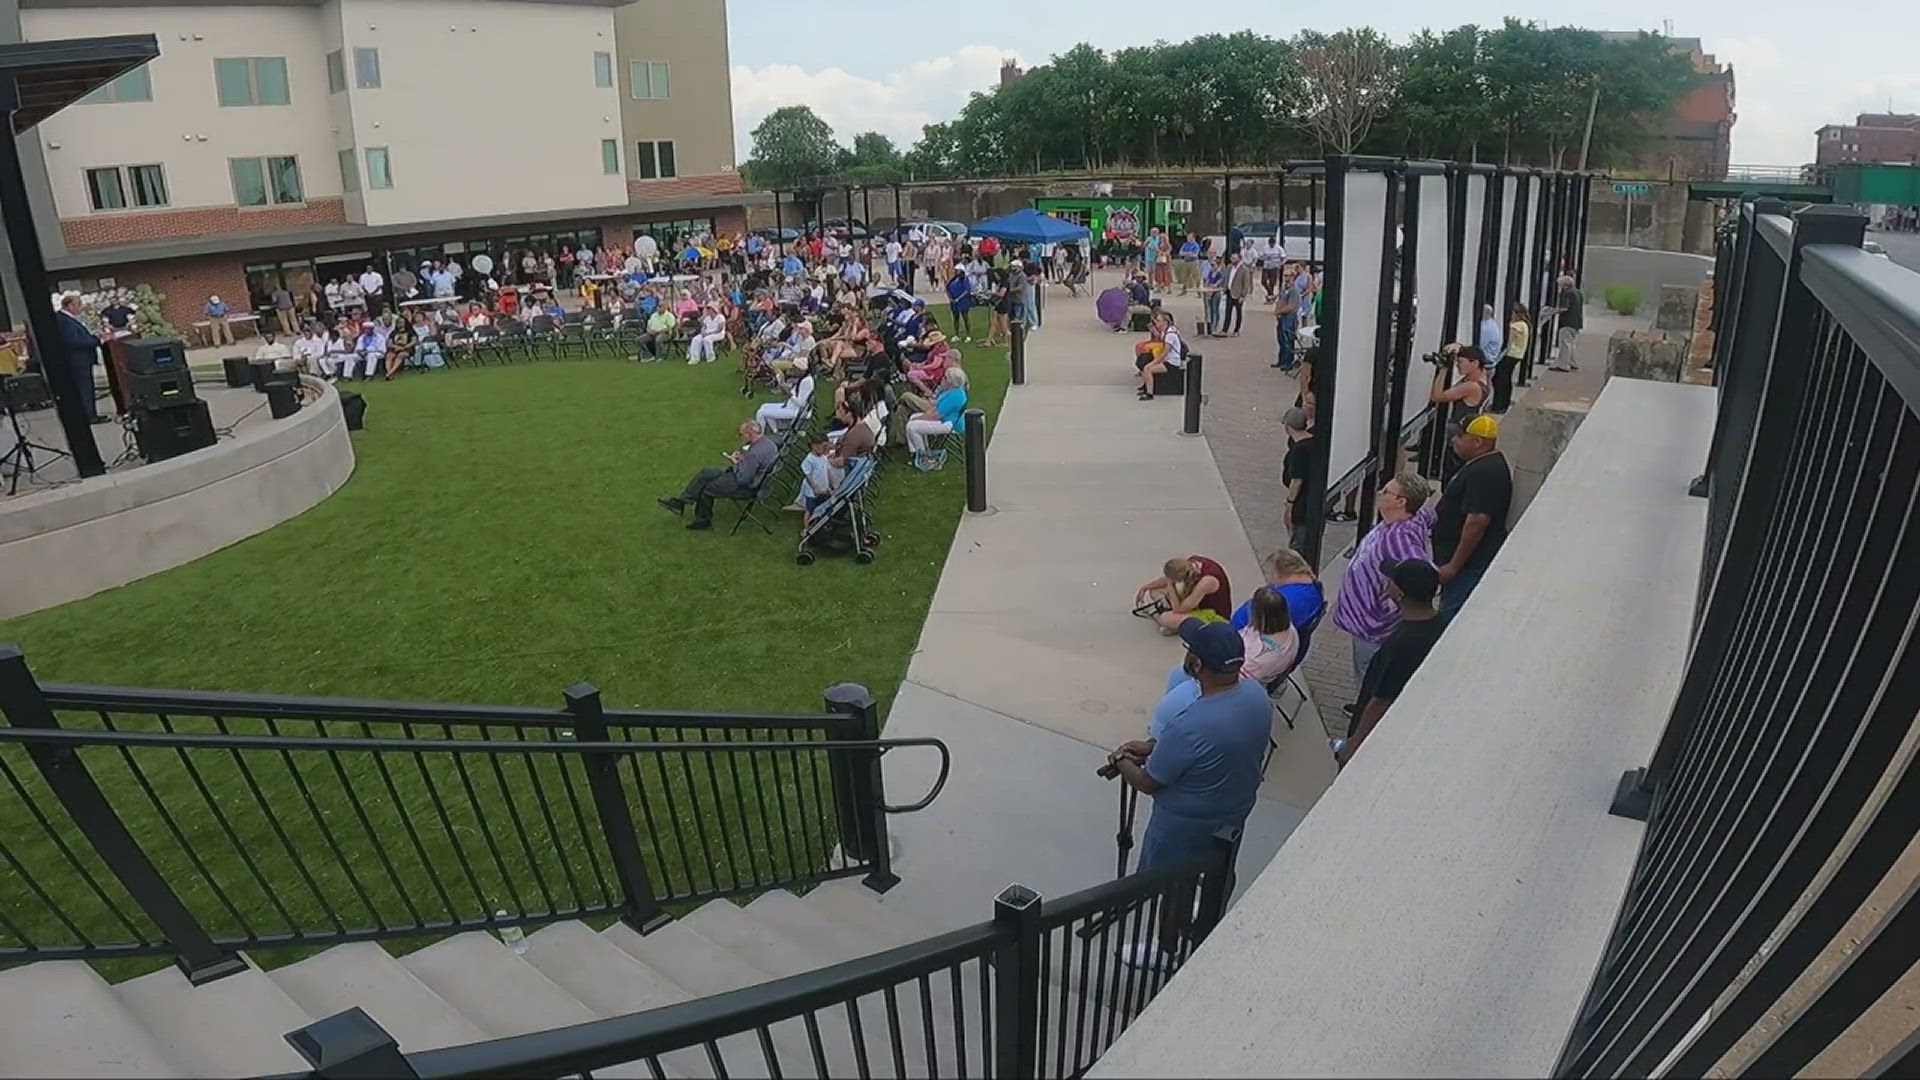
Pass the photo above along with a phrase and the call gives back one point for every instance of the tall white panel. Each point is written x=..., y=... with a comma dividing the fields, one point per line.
x=1362, y=228
x=1469, y=257
x=1430, y=292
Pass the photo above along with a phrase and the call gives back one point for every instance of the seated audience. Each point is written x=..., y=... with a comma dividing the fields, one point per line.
x=1161, y=351
x=1288, y=572
x=946, y=415
x=1194, y=586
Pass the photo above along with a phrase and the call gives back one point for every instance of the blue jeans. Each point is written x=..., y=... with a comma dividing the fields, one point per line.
x=1454, y=593
x=1283, y=330
x=1213, y=313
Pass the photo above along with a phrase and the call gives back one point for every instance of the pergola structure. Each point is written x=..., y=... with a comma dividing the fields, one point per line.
x=38, y=79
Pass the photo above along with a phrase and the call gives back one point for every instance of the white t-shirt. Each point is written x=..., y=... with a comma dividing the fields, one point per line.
x=893, y=251
x=371, y=282
x=1176, y=349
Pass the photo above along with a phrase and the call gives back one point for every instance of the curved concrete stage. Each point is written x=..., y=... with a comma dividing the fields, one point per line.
x=74, y=541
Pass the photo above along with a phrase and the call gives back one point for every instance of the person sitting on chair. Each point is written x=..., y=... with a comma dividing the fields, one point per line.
x=659, y=328
x=1194, y=586
x=1270, y=642
x=776, y=414
x=1289, y=574
x=1161, y=351
x=945, y=415
x=744, y=470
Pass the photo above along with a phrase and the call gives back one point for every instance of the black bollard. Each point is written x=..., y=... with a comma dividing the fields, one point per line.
x=976, y=440
x=1039, y=301
x=1190, y=422
x=1019, y=353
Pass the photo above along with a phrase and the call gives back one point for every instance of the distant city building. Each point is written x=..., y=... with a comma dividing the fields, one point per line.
x=1881, y=137
x=1009, y=72
x=1696, y=140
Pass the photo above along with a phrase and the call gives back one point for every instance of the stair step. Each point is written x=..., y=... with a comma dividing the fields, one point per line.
x=235, y=1026
x=847, y=901
x=59, y=1019
x=599, y=974
x=500, y=992
x=362, y=973
x=843, y=939
x=765, y=947
x=690, y=961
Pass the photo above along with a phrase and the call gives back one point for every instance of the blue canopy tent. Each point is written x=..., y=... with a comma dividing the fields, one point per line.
x=1030, y=226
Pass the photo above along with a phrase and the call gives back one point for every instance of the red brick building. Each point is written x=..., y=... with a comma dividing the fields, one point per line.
x=1696, y=140
x=1881, y=137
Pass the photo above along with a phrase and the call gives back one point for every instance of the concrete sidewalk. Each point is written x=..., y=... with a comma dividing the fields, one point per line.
x=1029, y=654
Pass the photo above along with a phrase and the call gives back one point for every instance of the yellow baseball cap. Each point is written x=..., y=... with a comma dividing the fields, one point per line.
x=1484, y=426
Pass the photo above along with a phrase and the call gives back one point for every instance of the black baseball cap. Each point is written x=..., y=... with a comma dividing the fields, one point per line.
x=1217, y=644
x=1417, y=578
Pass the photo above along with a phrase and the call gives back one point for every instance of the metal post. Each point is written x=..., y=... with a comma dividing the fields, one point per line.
x=1017, y=981
x=858, y=787
x=1626, y=222
x=1313, y=494
x=1583, y=192
x=43, y=327
x=644, y=912
x=1017, y=352
x=1313, y=208
x=866, y=212
x=1217, y=887
x=351, y=1046
x=976, y=441
x=899, y=217
x=1728, y=591
x=779, y=227
x=1383, y=431
x=1388, y=448
x=67, y=777
x=1226, y=215
x=1192, y=398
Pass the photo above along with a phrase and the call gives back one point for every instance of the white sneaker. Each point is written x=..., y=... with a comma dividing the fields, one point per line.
x=1336, y=745
x=1146, y=957
x=693, y=361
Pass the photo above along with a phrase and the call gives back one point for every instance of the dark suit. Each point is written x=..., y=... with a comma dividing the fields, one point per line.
x=82, y=351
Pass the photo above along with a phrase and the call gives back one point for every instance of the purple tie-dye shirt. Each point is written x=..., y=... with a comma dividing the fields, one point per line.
x=1363, y=608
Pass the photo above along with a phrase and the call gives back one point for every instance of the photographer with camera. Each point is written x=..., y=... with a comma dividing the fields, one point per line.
x=1201, y=768
x=1467, y=395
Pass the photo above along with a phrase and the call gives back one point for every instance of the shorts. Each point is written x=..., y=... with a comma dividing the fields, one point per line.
x=1206, y=615
x=1174, y=838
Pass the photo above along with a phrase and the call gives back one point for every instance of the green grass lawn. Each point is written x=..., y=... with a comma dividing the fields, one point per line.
x=498, y=541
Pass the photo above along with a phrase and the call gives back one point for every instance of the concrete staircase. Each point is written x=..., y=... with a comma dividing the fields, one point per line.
x=60, y=1019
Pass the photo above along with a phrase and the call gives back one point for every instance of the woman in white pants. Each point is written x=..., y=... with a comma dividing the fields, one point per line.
x=944, y=417
x=338, y=359
x=778, y=414
x=713, y=330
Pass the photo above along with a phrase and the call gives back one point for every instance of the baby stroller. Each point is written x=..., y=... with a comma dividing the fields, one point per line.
x=842, y=522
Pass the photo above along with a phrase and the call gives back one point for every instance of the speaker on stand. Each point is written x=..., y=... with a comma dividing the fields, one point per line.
x=239, y=372
x=283, y=395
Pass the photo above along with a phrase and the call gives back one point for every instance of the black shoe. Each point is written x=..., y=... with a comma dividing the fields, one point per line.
x=1282, y=367
x=101, y=420
x=1144, y=396
x=1343, y=516
x=672, y=504
x=700, y=523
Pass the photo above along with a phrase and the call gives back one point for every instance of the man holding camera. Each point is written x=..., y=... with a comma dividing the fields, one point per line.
x=1202, y=767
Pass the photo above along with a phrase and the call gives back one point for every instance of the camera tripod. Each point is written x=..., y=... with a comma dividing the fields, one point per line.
x=20, y=460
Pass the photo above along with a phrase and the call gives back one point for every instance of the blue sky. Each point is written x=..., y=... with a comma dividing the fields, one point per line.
x=893, y=65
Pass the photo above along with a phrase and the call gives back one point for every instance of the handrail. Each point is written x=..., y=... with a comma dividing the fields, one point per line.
x=478, y=746
x=291, y=707
x=1877, y=303
x=598, y=1043
x=1119, y=891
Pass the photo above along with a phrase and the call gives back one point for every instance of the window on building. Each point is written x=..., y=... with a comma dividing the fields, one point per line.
x=264, y=181
x=379, y=171
x=655, y=160
x=251, y=80
x=121, y=187
x=135, y=85
x=336, y=71
x=609, y=156
x=366, y=69
x=603, y=69
x=650, y=80
x=349, y=171
x=668, y=231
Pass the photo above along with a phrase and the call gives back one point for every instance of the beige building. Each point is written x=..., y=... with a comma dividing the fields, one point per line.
x=286, y=142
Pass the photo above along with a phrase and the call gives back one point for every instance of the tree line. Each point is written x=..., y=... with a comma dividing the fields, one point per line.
x=1517, y=94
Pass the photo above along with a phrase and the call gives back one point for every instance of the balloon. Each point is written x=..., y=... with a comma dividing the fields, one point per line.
x=483, y=263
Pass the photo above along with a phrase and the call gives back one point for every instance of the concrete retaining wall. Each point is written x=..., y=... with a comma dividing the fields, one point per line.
x=1642, y=268
x=74, y=541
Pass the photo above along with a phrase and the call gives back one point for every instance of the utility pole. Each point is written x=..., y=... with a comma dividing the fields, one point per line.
x=1586, y=138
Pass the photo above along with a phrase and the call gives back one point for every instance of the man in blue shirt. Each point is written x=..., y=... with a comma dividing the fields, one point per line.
x=1202, y=765
x=1491, y=339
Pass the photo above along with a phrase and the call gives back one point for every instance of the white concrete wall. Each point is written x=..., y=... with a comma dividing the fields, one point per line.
x=184, y=127
x=487, y=107
x=74, y=541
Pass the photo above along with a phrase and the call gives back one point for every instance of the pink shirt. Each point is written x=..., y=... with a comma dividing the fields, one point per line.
x=1268, y=655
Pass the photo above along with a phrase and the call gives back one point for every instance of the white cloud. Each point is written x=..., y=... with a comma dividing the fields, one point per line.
x=898, y=104
x=1749, y=56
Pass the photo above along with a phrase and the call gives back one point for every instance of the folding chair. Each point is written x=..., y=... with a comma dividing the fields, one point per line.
x=515, y=340
x=1288, y=680
x=572, y=335
x=544, y=333
x=751, y=499
x=485, y=344
x=456, y=346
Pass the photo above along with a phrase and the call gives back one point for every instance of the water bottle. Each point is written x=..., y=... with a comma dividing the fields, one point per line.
x=513, y=937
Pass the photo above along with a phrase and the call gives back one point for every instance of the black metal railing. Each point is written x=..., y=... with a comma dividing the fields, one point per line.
x=1771, y=920
x=193, y=825
x=1040, y=991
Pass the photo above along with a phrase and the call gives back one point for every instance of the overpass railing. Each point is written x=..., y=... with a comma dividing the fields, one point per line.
x=1770, y=923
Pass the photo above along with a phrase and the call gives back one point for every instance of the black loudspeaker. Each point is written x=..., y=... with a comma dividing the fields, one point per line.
x=160, y=389
x=259, y=371
x=170, y=432
x=25, y=391
x=355, y=407
x=150, y=356
x=283, y=396
x=239, y=372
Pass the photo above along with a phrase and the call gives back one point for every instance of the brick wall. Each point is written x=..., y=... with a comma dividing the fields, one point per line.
x=184, y=284
x=640, y=191
x=731, y=219
x=145, y=226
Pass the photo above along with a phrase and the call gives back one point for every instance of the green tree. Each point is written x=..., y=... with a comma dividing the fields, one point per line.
x=791, y=146
x=932, y=158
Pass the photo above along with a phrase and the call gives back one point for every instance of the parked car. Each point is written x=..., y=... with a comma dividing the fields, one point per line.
x=785, y=234
x=838, y=227
x=932, y=229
